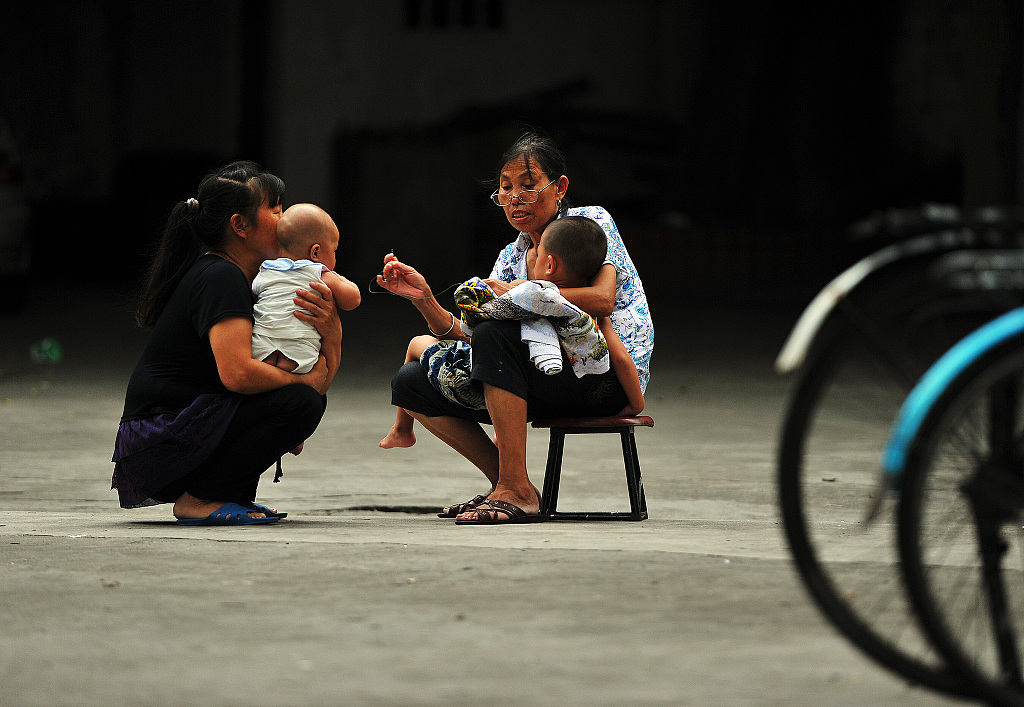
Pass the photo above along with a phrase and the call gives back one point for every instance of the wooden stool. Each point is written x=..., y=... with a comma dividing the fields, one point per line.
x=594, y=425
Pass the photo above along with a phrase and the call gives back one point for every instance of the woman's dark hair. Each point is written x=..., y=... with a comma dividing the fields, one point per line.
x=200, y=224
x=534, y=147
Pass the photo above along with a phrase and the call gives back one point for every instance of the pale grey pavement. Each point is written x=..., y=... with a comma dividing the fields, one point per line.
x=363, y=597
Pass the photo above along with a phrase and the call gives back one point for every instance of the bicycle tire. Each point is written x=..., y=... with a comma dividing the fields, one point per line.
x=959, y=486
x=846, y=397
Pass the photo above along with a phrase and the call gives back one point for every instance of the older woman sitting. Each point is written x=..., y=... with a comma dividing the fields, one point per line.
x=532, y=187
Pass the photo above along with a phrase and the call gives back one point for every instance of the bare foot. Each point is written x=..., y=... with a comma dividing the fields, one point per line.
x=298, y=450
x=188, y=506
x=398, y=438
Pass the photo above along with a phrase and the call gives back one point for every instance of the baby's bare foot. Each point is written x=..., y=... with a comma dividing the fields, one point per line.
x=398, y=438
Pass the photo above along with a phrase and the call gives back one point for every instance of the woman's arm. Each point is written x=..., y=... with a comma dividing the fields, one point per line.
x=401, y=279
x=231, y=341
x=625, y=368
x=598, y=298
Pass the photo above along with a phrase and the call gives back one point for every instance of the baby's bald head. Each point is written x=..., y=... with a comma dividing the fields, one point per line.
x=304, y=225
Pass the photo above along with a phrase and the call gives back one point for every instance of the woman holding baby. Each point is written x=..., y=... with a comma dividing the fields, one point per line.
x=202, y=418
x=532, y=188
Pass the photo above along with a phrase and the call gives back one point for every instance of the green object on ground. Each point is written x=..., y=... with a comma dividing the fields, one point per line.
x=46, y=351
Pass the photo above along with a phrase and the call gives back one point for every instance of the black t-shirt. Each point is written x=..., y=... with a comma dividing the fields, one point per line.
x=177, y=364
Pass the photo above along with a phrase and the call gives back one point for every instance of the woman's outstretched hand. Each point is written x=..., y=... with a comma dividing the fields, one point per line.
x=401, y=279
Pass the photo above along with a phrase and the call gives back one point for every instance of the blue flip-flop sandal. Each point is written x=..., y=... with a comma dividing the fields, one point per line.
x=229, y=514
x=266, y=511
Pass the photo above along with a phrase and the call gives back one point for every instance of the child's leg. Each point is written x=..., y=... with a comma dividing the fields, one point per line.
x=401, y=434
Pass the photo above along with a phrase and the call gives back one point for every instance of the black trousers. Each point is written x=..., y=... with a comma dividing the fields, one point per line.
x=266, y=426
x=501, y=359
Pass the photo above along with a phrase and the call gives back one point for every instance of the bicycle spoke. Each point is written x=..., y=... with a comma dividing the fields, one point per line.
x=891, y=356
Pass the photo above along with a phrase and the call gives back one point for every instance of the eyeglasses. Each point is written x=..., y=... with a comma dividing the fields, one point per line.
x=526, y=196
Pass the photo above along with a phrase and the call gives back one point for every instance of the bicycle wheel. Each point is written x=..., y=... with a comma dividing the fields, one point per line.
x=875, y=347
x=960, y=515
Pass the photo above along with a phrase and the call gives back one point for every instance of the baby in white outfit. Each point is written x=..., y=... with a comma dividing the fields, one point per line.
x=309, y=239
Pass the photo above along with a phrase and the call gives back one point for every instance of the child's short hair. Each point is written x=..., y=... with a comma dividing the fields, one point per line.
x=579, y=242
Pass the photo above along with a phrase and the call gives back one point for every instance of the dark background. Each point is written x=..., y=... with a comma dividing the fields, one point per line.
x=735, y=143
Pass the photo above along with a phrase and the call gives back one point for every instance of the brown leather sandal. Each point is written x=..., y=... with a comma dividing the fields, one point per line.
x=452, y=511
x=487, y=514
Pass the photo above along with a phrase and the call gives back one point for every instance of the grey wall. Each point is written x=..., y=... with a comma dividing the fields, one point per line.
x=722, y=135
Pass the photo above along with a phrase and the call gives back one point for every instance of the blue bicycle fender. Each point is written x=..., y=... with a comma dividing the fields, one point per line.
x=935, y=380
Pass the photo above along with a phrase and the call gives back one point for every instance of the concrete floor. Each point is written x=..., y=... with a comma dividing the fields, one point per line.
x=342, y=605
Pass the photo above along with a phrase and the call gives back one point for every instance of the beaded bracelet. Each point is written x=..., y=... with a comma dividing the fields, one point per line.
x=441, y=336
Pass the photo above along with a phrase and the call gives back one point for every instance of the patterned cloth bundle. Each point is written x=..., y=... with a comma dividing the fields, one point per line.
x=548, y=321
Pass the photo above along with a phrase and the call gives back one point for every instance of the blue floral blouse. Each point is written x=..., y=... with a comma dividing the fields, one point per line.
x=631, y=318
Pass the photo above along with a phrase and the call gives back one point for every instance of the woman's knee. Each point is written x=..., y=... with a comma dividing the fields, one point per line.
x=303, y=406
x=497, y=342
x=503, y=332
x=408, y=379
x=500, y=358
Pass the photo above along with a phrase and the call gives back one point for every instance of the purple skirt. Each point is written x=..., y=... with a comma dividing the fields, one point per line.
x=151, y=453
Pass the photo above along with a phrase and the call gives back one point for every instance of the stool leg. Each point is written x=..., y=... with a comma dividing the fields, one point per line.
x=634, y=483
x=552, y=472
